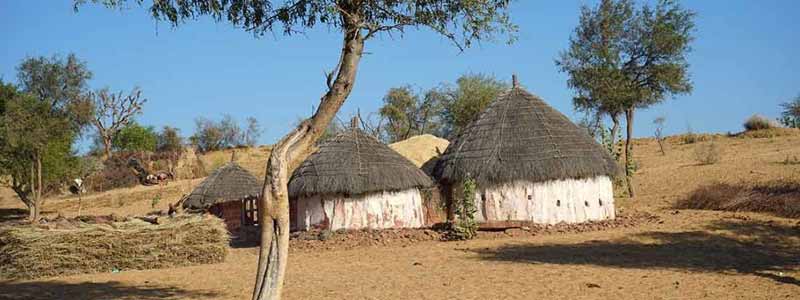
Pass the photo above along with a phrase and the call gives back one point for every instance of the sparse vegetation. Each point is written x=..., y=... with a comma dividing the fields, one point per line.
x=790, y=116
x=781, y=198
x=707, y=153
x=759, y=122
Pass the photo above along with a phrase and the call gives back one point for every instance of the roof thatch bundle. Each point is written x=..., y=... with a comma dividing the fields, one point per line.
x=519, y=137
x=355, y=163
x=230, y=182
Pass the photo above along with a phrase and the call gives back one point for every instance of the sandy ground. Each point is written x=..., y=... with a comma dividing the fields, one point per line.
x=685, y=255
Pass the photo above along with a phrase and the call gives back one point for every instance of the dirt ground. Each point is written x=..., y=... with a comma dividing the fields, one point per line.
x=682, y=254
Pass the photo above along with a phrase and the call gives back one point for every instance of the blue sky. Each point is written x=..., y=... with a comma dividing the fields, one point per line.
x=744, y=61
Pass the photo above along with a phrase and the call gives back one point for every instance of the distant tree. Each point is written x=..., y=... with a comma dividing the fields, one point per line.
x=232, y=135
x=462, y=22
x=169, y=140
x=41, y=118
x=659, y=133
x=462, y=103
x=211, y=136
x=252, y=132
x=134, y=138
x=621, y=59
x=407, y=114
x=790, y=116
x=112, y=112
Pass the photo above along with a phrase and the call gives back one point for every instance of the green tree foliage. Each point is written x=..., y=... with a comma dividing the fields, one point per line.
x=41, y=118
x=622, y=58
x=471, y=95
x=407, y=114
x=135, y=138
x=442, y=111
x=169, y=140
x=790, y=116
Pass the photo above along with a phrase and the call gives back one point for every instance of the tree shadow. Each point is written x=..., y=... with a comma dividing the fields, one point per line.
x=754, y=248
x=95, y=290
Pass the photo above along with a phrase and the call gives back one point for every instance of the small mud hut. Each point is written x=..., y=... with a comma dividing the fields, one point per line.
x=355, y=182
x=231, y=193
x=530, y=164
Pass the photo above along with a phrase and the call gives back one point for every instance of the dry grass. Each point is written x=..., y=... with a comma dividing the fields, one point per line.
x=779, y=197
x=769, y=133
x=708, y=153
x=420, y=149
x=76, y=247
x=759, y=122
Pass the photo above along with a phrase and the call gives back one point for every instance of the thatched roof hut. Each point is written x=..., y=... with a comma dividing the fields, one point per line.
x=230, y=182
x=519, y=137
x=530, y=163
x=353, y=182
x=353, y=163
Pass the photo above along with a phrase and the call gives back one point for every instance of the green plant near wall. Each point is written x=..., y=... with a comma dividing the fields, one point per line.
x=465, y=227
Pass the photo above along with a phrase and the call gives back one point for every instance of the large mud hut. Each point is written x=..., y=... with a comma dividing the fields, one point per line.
x=231, y=193
x=355, y=182
x=530, y=164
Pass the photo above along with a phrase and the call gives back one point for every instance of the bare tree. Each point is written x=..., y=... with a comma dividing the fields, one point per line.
x=112, y=112
x=659, y=134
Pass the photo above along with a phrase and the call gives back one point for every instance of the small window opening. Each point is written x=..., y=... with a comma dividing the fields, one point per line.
x=586, y=202
x=483, y=197
x=558, y=202
x=530, y=197
x=601, y=201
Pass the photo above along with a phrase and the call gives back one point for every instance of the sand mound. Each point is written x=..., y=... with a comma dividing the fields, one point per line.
x=421, y=148
x=31, y=251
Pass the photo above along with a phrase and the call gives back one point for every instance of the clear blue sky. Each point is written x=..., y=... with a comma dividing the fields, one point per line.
x=745, y=60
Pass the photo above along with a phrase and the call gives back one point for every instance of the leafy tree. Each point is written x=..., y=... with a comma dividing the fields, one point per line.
x=462, y=22
x=621, y=59
x=135, y=138
x=467, y=99
x=40, y=121
x=790, y=116
x=211, y=136
x=408, y=114
x=112, y=112
x=169, y=140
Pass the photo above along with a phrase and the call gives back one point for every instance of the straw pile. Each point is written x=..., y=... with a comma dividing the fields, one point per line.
x=421, y=148
x=32, y=251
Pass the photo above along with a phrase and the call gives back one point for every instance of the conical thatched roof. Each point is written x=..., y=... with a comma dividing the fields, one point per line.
x=519, y=137
x=230, y=182
x=354, y=163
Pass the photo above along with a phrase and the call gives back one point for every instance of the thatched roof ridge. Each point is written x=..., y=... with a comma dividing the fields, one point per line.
x=519, y=137
x=230, y=182
x=353, y=163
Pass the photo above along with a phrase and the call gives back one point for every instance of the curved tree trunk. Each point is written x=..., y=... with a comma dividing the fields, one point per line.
x=629, y=151
x=287, y=155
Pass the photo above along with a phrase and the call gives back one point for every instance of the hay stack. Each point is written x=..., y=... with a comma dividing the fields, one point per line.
x=421, y=148
x=31, y=251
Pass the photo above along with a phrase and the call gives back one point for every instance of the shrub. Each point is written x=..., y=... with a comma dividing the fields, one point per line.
x=465, y=227
x=708, y=153
x=115, y=174
x=759, y=122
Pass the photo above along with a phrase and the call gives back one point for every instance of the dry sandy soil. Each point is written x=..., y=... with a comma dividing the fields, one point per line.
x=684, y=254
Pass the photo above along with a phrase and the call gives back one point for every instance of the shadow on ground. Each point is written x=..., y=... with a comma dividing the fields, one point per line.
x=755, y=248
x=94, y=290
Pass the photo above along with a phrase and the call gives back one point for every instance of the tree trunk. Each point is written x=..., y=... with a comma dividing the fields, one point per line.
x=614, y=131
x=106, y=146
x=629, y=151
x=286, y=155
